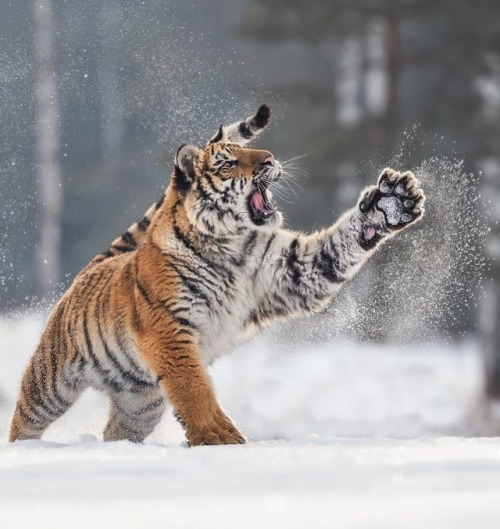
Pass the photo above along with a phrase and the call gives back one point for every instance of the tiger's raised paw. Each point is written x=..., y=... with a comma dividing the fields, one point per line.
x=398, y=196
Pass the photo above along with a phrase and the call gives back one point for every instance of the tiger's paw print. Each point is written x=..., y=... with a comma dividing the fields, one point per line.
x=398, y=196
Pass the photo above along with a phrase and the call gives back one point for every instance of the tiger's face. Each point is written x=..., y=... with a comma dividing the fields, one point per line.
x=226, y=187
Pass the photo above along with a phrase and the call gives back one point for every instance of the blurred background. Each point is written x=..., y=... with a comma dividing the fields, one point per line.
x=96, y=96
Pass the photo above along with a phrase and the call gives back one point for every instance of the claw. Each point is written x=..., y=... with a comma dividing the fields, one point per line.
x=387, y=173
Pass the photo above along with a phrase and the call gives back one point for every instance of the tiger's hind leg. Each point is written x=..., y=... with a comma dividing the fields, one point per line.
x=134, y=415
x=51, y=383
x=46, y=393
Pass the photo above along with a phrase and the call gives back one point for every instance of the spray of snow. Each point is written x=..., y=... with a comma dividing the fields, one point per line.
x=425, y=281
x=186, y=86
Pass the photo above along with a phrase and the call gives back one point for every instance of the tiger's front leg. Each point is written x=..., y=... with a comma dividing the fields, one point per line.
x=308, y=271
x=185, y=380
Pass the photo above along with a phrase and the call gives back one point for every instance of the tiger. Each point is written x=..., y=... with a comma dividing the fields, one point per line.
x=207, y=266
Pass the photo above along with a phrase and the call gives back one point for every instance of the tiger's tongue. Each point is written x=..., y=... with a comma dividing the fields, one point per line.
x=258, y=203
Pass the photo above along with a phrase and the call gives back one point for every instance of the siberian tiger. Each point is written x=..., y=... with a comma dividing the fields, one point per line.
x=208, y=264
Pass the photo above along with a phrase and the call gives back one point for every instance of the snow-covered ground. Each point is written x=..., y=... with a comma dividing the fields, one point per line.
x=320, y=483
x=341, y=435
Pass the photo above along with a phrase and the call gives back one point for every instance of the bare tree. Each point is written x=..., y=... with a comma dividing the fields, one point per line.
x=49, y=172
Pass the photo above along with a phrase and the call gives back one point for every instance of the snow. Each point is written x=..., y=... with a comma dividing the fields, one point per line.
x=372, y=483
x=341, y=435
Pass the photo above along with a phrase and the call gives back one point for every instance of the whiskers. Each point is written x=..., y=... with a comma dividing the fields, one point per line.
x=288, y=186
x=297, y=157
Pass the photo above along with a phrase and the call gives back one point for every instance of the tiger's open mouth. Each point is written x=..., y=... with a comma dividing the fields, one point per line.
x=260, y=205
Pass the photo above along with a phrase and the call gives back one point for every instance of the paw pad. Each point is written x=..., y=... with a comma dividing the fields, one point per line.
x=392, y=208
x=369, y=232
x=384, y=187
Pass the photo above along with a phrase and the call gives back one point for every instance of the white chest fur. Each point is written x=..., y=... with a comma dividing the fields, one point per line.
x=223, y=326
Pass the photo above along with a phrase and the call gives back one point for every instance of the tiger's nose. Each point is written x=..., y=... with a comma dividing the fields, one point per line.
x=269, y=161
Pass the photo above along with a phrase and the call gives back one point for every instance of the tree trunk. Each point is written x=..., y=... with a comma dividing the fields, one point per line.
x=489, y=321
x=113, y=125
x=49, y=173
x=490, y=334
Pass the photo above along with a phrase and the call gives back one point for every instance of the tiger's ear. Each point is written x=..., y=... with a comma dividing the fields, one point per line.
x=185, y=161
x=242, y=132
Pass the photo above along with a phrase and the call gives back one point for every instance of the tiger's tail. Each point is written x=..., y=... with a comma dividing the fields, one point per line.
x=131, y=239
x=243, y=132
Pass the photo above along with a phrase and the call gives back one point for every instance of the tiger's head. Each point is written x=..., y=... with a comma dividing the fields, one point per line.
x=225, y=186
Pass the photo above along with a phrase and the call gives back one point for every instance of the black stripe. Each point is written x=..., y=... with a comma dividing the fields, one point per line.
x=189, y=245
x=203, y=193
x=36, y=397
x=153, y=405
x=128, y=238
x=292, y=262
x=104, y=373
x=37, y=421
x=180, y=342
x=268, y=245
x=160, y=202
x=143, y=224
x=180, y=320
x=130, y=377
x=61, y=344
x=143, y=292
x=192, y=285
x=124, y=352
x=211, y=183
x=120, y=248
x=185, y=322
x=261, y=119
x=219, y=135
x=193, y=288
x=328, y=265
x=49, y=404
x=35, y=410
x=245, y=130
x=102, y=305
x=246, y=251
